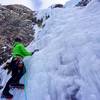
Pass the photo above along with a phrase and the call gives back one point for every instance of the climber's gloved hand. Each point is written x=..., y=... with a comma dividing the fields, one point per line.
x=8, y=67
x=36, y=50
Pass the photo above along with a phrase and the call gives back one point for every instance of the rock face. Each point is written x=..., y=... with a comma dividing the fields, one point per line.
x=83, y=3
x=15, y=20
x=57, y=6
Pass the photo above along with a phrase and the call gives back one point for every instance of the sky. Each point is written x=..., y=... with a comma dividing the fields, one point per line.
x=34, y=4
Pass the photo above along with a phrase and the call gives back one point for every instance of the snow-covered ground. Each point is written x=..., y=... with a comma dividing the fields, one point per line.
x=67, y=67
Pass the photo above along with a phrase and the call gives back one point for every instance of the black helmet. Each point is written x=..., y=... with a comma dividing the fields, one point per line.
x=17, y=39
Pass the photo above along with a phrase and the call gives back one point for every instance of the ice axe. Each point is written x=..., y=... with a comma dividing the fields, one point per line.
x=36, y=50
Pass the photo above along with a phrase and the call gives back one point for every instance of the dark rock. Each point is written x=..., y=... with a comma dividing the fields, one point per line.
x=57, y=6
x=83, y=3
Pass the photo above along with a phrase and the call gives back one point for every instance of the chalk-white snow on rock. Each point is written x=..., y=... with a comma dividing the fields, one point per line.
x=71, y=3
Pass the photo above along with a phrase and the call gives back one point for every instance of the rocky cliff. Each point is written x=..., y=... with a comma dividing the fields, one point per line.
x=15, y=20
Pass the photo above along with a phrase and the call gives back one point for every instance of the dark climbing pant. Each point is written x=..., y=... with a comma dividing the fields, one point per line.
x=17, y=73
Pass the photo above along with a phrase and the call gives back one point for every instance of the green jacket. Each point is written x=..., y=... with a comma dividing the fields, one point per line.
x=19, y=50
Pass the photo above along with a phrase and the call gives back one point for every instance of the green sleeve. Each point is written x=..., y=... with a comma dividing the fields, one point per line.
x=24, y=51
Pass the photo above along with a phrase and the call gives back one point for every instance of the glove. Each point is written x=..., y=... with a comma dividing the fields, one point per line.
x=35, y=51
x=8, y=67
